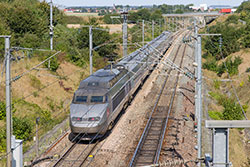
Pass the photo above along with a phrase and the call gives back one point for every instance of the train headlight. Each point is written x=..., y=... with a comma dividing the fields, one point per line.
x=76, y=119
x=94, y=118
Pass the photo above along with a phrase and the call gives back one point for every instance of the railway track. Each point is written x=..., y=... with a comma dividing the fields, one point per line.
x=149, y=147
x=76, y=155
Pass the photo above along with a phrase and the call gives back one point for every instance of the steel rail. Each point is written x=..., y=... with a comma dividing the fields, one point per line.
x=73, y=146
x=87, y=155
x=60, y=160
x=149, y=122
x=169, y=110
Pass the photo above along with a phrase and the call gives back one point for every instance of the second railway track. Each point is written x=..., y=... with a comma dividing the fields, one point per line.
x=149, y=147
x=78, y=154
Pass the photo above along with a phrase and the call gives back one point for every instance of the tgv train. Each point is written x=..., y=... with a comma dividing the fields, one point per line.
x=101, y=97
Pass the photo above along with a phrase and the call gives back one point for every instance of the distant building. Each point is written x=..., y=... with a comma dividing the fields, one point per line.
x=203, y=7
x=233, y=10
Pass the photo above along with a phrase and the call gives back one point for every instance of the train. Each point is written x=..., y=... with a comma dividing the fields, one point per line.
x=101, y=97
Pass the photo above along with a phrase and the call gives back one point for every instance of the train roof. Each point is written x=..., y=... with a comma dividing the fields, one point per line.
x=107, y=77
x=100, y=78
x=137, y=56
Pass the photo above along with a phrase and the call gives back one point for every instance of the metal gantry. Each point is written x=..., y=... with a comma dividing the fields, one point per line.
x=220, y=145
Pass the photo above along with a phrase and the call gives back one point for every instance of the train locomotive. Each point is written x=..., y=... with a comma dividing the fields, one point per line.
x=101, y=97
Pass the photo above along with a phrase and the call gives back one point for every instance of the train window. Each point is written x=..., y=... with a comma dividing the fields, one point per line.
x=98, y=99
x=80, y=99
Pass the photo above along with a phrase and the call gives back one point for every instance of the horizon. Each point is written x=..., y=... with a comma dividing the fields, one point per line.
x=97, y=3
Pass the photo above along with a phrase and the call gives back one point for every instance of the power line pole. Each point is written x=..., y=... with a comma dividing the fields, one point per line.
x=165, y=24
x=90, y=50
x=153, y=29
x=199, y=96
x=176, y=24
x=196, y=60
x=172, y=25
x=143, y=31
x=160, y=25
x=199, y=91
x=8, y=100
x=125, y=32
x=51, y=33
x=37, y=137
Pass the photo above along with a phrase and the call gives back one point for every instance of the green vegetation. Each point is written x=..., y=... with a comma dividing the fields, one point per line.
x=27, y=21
x=235, y=31
x=232, y=66
x=231, y=111
x=174, y=8
x=2, y=110
x=142, y=14
x=217, y=84
x=216, y=115
x=22, y=127
x=24, y=117
x=53, y=64
x=108, y=20
x=35, y=82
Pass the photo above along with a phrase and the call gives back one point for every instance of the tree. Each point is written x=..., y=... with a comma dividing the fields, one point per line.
x=179, y=11
x=232, y=111
x=156, y=15
x=22, y=127
x=99, y=37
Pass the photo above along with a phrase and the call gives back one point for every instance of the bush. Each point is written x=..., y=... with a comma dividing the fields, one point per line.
x=215, y=95
x=22, y=128
x=217, y=84
x=210, y=65
x=52, y=64
x=233, y=19
x=35, y=82
x=2, y=140
x=2, y=110
x=232, y=111
x=45, y=116
x=232, y=66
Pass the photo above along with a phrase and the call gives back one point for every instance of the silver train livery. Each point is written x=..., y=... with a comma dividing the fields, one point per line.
x=101, y=97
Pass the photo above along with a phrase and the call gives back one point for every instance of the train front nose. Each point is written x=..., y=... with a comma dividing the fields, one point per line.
x=89, y=119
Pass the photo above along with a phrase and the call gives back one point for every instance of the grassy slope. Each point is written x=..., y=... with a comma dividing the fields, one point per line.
x=239, y=150
x=53, y=98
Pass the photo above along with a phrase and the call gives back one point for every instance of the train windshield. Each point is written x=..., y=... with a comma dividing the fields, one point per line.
x=81, y=99
x=96, y=99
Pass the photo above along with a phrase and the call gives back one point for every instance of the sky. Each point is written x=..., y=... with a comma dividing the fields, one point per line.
x=143, y=2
